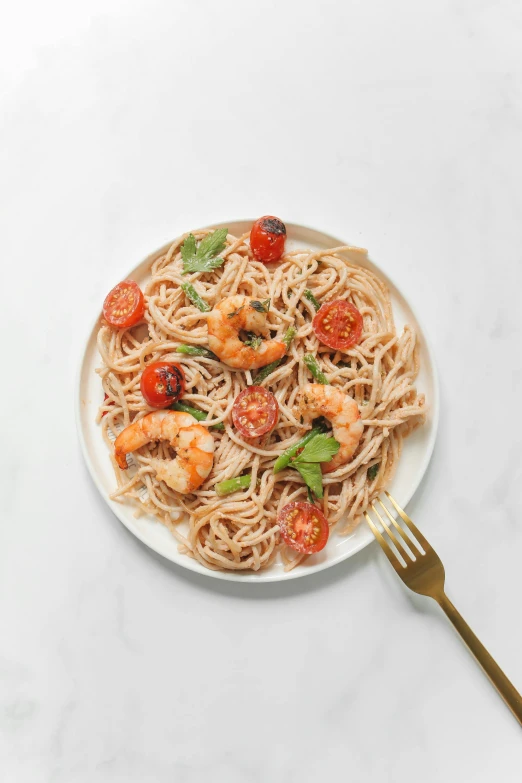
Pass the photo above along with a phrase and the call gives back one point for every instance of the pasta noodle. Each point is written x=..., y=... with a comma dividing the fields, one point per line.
x=240, y=531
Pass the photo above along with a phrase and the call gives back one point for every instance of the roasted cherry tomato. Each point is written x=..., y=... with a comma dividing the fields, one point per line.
x=338, y=324
x=124, y=306
x=267, y=239
x=304, y=527
x=255, y=412
x=162, y=383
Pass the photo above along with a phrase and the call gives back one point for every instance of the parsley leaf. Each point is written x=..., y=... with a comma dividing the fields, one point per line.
x=213, y=243
x=188, y=248
x=204, y=258
x=261, y=307
x=319, y=449
x=311, y=472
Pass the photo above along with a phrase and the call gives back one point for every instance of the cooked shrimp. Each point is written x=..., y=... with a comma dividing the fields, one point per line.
x=226, y=320
x=193, y=443
x=339, y=408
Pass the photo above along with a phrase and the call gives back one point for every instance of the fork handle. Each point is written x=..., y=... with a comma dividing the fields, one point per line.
x=506, y=688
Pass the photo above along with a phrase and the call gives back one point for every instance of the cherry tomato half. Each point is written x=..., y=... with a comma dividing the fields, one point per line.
x=162, y=383
x=255, y=412
x=124, y=306
x=267, y=239
x=304, y=527
x=338, y=324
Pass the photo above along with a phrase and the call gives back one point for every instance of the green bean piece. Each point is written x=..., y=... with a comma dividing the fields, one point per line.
x=233, y=485
x=269, y=368
x=264, y=372
x=289, y=336
x=312, y=365
x=199, y=415
x=196, y=350
x=194, y=297
x=311, y=298
x=284, y=459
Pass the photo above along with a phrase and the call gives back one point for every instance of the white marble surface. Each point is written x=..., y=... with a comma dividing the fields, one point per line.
x=397, y=125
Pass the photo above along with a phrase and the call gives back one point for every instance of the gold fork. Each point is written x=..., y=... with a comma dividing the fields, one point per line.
x=421, y=569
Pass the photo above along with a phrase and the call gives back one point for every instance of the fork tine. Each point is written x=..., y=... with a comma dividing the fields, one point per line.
x=390, y=554
x=408, y=522
x=410, y=543
x=400, y=548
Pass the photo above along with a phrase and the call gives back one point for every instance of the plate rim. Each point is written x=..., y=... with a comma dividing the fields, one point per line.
x=263, y=577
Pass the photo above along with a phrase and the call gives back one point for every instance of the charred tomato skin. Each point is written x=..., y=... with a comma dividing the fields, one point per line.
x=267, y=239
x=162, y=383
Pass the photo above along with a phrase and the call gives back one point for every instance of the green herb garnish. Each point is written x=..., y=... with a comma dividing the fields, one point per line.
x=254, y=341
x=285, y=458
x=320, y=448
x=261, y=307
x=372, y=471
x=204, y=258
x=311, y=298
x=235, y=312
x=312, y=475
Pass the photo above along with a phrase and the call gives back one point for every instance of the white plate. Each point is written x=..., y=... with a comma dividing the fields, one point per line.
x=412, y=465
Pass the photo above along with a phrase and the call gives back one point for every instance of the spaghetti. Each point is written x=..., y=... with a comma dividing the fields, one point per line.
x=240, y=531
